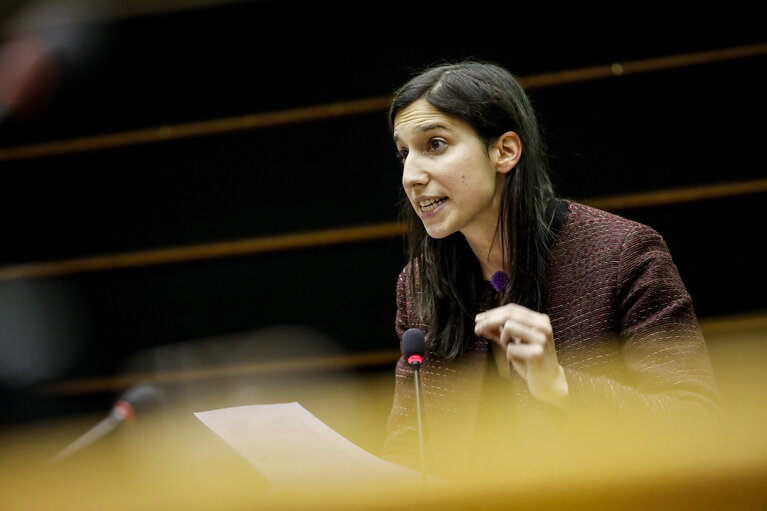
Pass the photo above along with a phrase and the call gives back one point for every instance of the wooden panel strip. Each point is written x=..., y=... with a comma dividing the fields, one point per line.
x=725, y=325
x=355, y=234
x=370, y=105
x=115, y=384
x=677, y=195
x=196, y=129
x=264, y=244
x=642, y=66
x=731, y=325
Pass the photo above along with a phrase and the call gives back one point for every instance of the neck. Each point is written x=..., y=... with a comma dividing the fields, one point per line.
x=487, y=250
x=485, y=240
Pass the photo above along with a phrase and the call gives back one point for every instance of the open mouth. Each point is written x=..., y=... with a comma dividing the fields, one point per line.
x=431, y=204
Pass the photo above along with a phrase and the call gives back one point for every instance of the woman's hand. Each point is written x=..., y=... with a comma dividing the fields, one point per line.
x=528, y=341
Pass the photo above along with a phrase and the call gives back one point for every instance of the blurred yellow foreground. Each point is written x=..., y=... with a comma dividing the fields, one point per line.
x=170, y=460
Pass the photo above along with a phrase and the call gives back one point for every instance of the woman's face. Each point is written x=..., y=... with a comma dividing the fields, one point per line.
x=449, y=175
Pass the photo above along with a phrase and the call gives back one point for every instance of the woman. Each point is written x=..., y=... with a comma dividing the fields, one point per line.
x=536, y=310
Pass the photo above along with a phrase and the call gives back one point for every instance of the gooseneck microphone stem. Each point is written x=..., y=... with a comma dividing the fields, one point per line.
x=139, y=397
x=420, y=425
x=106, y=425
x=413, y=349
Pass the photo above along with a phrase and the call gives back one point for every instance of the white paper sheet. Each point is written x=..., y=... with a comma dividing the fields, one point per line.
x=293, y=449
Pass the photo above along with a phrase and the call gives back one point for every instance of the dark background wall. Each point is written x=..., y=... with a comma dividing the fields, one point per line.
x=679, y=127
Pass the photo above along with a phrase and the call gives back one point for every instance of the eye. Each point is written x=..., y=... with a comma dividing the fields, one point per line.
x=436, y=144
x=402, y=153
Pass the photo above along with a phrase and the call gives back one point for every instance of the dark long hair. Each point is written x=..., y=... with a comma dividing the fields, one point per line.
x=445, y=275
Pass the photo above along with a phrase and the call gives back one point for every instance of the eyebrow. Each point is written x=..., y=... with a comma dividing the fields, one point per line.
x=426, y=127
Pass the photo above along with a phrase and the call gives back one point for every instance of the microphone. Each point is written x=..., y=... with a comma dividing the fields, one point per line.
x=413, y=349
x=139, y=397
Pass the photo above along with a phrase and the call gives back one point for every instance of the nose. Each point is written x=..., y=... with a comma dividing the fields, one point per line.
x=414, y=173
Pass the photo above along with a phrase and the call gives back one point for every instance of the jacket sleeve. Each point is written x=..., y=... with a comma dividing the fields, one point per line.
x=669, y=375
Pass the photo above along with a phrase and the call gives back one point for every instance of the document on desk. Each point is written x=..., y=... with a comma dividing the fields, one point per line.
x=294, y=449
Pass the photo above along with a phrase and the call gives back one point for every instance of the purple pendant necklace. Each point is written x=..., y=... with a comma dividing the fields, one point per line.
x=499, y=281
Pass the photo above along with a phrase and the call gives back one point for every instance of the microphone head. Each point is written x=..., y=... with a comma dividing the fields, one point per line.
x=413, y=346
x=143, y=396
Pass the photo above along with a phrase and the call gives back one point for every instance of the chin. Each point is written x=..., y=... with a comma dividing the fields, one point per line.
x=436, y=233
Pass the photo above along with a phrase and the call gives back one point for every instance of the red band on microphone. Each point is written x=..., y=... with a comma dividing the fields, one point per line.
x=414, y=358
x=125, y=410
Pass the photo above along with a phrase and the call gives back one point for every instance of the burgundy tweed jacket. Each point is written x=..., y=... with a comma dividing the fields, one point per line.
x=625, y=333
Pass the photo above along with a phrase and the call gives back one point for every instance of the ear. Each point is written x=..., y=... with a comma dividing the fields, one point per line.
x=506, y=152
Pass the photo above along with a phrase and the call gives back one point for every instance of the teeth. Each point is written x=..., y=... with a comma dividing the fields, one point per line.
x=431, y=204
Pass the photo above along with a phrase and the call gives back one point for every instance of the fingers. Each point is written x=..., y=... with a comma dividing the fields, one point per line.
x=513, y=331
x=494, y=318
x=527, y=338
x=510, y=321
x=523, y=352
